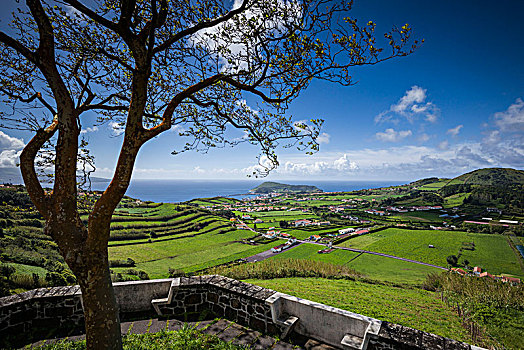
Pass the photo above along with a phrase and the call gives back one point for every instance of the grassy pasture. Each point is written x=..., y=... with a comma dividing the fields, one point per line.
x=492, y=251
x=411, y=307
x=455, y=200
x=319, y=202
x=155, y=258
x=281, y=215
x=372, y=266
x=421, y=216
x=435, y=186
x=28, y=269
x=213, y=201
x=391, y=270
x=309, y=252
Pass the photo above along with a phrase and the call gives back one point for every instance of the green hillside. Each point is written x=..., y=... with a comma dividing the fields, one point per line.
x=269, y=187
x=501, y=188
x=491, y=177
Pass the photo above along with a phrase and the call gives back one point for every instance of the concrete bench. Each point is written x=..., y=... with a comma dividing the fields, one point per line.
x=336, y=327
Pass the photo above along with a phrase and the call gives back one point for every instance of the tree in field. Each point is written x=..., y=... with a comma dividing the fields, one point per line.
x=452, y=260
x=149, y=66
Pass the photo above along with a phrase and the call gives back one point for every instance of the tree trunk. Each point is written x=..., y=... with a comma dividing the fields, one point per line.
x=102, y=321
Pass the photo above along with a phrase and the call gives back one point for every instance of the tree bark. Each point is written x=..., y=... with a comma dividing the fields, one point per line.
x=101, y=312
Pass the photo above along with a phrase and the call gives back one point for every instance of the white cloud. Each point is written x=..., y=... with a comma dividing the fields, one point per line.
x=9, y=142
x=443, y=145
x=504, y=143
x=198, y=170
x=390, y=135
x=411, y=106
x=178, y=129
x=9, y=158
x=86, y=130
x=410, y=99
x=344, y=164
x=455, y=131
x=493, y=137
x=424, y=137
x=511, y=120
x=116, y=128
x=431, y=117
x=323, y=138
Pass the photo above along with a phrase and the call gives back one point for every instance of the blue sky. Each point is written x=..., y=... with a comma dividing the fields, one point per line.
x=454, y=105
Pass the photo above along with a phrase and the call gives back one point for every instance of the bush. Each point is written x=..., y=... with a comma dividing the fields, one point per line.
x=27, y=281
x=122, y=263
x=176, y=273
x=7, y=271
x=139, y=273
x=452, y=260
x=143, y=275
x=54, y=279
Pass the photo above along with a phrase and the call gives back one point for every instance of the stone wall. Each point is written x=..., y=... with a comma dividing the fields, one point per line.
x=46, y=312
x=234, y=300
x=393, y=336
x=37, y=313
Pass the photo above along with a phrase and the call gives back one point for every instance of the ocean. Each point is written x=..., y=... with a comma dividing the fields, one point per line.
x=173, y=191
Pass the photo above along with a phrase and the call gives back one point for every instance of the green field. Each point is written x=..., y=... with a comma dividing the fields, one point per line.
x=213, y=201
x=391, y=270
x=372, y=266
x=455, y=200
x=435, y=186
x=309, y=252
x=410, y=307
x=421, y=216
x=188, y=254
x=491, y=251
x=29, y=269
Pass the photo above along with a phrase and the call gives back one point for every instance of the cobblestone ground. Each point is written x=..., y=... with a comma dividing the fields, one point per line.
x=224, y=329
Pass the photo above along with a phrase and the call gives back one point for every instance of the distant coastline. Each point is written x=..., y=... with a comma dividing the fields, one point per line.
x=172, y=191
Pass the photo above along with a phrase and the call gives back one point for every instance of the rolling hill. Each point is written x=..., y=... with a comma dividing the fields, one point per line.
x=491, y=177
x=269, y=187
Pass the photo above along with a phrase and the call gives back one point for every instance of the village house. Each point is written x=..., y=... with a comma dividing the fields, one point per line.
x=346, y=230
x=303, y=222
x=277, y=249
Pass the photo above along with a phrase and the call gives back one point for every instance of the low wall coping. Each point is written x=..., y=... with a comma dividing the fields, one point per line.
x=148, y=290
x=50, y=292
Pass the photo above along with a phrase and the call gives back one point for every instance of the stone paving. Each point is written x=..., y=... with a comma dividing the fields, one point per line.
x=226, y=330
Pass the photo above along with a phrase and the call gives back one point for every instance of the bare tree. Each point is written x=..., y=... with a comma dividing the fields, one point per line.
x=150, y=65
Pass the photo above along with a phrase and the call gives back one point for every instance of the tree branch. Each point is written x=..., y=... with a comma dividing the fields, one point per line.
x=199, y=26
x=30, y=99
x=77, y=5
x=175, y=101
x=27, y=167
x=16, y=45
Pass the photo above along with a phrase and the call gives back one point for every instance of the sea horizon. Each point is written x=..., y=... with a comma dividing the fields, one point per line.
x=177, y=190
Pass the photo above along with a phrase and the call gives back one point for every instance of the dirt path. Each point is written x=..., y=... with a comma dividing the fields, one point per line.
x=380, y=254
x=268, y=254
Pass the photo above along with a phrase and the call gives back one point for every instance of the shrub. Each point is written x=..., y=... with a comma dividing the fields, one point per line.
x=122, y=263
x=176, y=273
x=452, y=260
x=25, y=281
x=55, y=279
